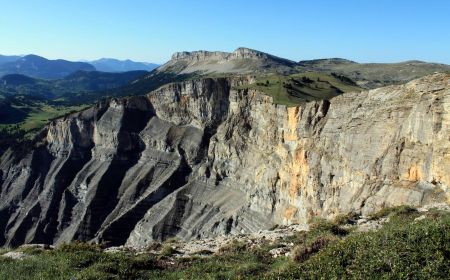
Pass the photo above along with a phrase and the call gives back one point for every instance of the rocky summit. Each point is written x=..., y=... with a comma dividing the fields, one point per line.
x=206, y=157
x=241, y=61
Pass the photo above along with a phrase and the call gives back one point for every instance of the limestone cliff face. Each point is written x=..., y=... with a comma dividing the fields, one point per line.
x=237, y=54
x=199, y=158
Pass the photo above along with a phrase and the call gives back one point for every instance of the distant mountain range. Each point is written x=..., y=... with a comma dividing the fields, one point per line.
x=39, y=67
x=8, y=58
x=241, y=61
x=115, y=65
x=74, y=88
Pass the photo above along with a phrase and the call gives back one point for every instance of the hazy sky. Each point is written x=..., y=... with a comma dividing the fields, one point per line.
x=151, y=30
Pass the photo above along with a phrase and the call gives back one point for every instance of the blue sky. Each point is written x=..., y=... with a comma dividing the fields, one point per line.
x=365, y=31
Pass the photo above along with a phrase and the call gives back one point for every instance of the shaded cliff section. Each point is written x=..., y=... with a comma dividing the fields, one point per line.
x=93, y=175
x=197, y=159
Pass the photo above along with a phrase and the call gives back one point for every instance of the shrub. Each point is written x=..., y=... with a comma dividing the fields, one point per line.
x=402, y=249
x=274, y=227
x=154, y=246
x=233, y=247
x=390, y=211
x=79, y=246
x=204, y=252
x=345, y=219
x=301, y=253
x=172, y=240
x=322, y=225
x=168, y=250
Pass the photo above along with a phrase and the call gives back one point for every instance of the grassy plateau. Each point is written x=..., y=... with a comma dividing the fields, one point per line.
x=296, y=89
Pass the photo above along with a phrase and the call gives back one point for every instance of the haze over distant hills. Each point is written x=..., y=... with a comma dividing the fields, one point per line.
x=241, y=61
x=115, y=65
x=72, y=87
x=8, y=58
x=39, y=67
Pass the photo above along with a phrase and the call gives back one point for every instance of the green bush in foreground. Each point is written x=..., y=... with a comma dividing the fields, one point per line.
x=400, y=250
x=404, y=248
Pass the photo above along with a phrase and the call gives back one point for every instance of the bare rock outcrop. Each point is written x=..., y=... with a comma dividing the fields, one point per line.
x=241, y=61
x=198, y=159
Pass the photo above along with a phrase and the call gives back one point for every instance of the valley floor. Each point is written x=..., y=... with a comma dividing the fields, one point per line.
x=396, y=243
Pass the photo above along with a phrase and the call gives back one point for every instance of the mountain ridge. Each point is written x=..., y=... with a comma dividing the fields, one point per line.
x=116, y=65
x=8, y=58
x=245, y=61
x=30, y=65
x=374, y=75
x=241, y=61
x=240, y=52
x=78, y=81
x=39, y=67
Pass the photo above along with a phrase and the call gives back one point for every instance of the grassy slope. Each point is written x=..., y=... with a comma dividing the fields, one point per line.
x=295, y=89
x=36, y=115
x=404, y=248
x=43, y=113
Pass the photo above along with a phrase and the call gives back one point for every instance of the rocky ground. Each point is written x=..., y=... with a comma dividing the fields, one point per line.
x=278, y=238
